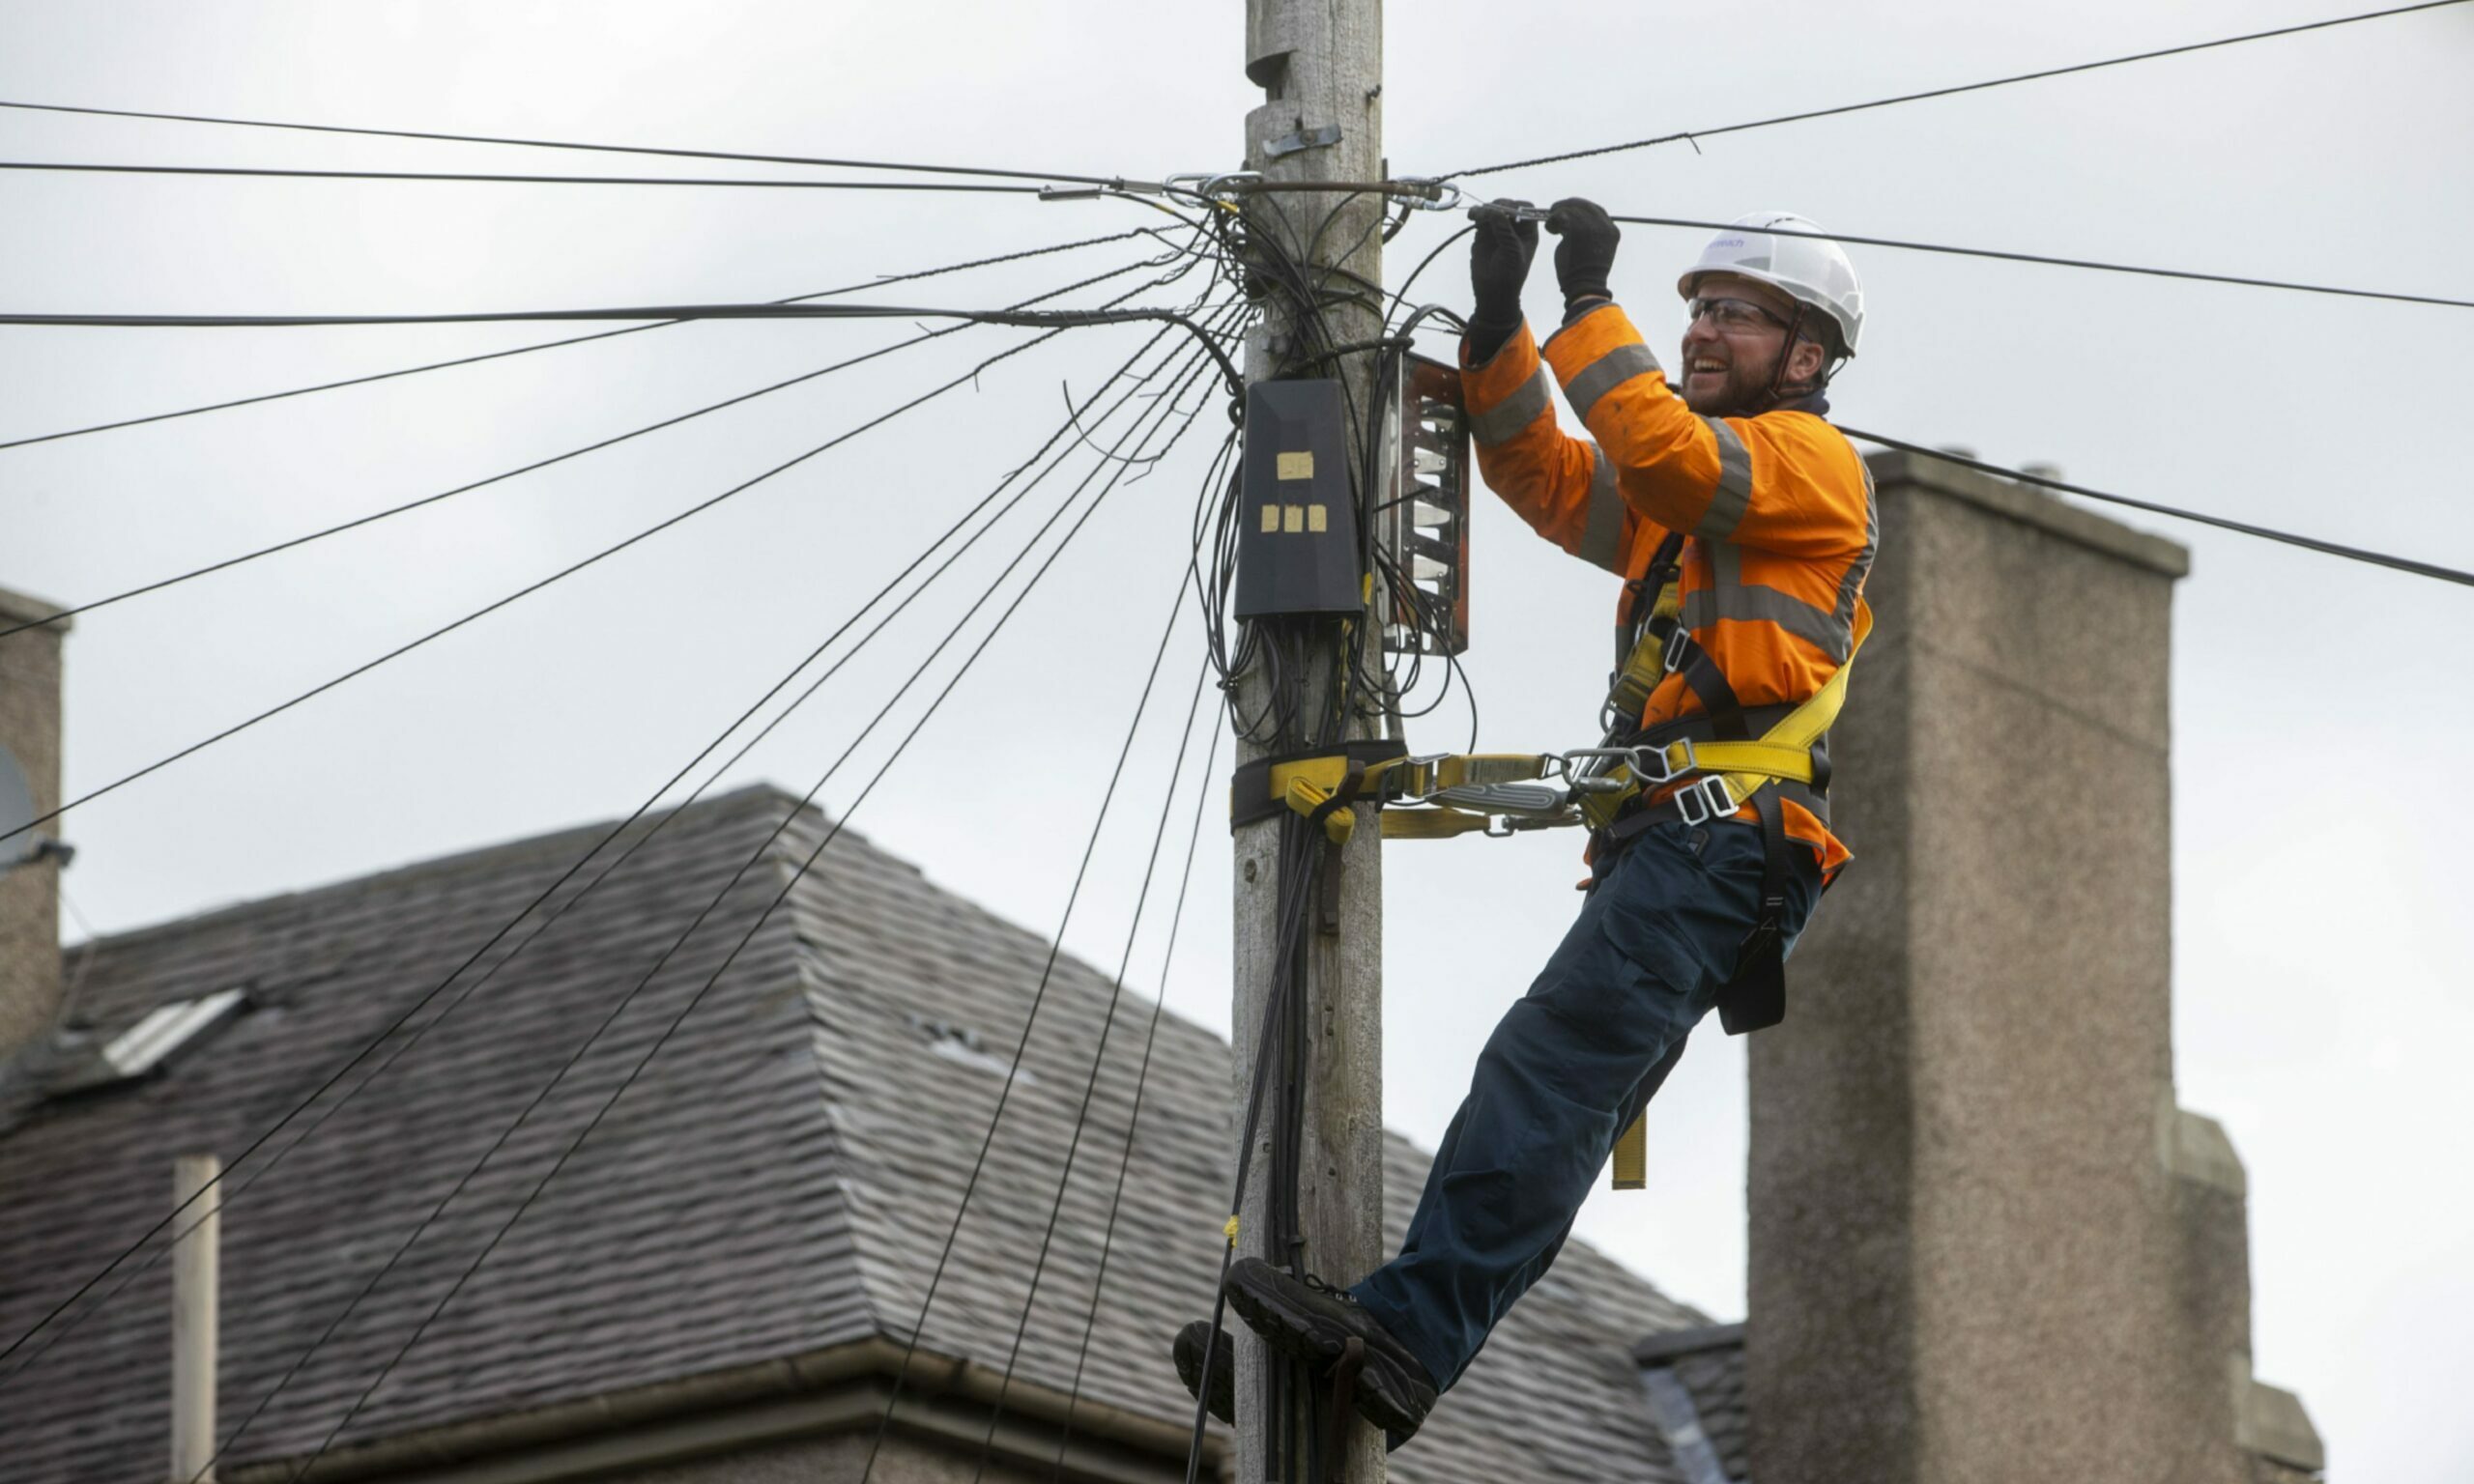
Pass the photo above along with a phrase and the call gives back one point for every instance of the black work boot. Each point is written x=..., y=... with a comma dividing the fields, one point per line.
x=1187, y=1352
x=1312, y=1323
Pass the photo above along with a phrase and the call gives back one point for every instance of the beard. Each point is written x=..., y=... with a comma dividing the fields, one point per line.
x=1741, y=392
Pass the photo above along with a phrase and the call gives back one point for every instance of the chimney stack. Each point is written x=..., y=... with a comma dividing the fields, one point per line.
x=29, y=864
x=1985, y=1242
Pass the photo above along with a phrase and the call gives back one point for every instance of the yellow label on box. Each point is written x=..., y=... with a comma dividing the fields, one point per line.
x=1271, y=520
x=1318, y=519
x=1295, y=521
x=1297, y=466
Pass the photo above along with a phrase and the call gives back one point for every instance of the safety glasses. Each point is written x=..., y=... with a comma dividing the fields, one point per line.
x=1730, y=314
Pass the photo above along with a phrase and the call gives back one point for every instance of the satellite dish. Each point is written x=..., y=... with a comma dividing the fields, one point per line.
x=16, y=807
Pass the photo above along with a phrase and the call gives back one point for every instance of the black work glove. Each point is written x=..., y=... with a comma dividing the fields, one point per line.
x=1586, y=255
x=1499, y=256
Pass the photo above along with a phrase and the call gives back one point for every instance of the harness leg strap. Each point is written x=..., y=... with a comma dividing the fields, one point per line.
x=1757, y=996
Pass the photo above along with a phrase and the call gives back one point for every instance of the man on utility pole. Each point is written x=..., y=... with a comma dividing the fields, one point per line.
x=1320, y=65
x=1743, y=526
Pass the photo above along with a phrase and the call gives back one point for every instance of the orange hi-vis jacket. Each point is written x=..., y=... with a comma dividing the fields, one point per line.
x=1778, y=512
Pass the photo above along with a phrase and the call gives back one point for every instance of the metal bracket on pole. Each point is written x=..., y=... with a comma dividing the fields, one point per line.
x=1304, y=139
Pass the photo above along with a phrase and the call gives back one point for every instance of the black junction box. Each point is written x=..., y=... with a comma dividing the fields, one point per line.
x=1296, y=541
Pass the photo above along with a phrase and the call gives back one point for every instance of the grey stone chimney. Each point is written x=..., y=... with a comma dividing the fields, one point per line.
x=1986, y=1244
x=30, y=864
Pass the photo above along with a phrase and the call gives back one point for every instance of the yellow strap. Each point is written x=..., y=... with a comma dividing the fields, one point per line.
x=1770, y=759
x=1305, y=796
x=1631, y=1170
x=1429, y=823
x=1458, y=770
x=1809, y=721
x=1784, y=751
x=1306, y=784
x=1324, y=773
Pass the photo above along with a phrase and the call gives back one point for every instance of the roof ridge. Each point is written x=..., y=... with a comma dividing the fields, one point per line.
x=476, y=858
x=1667, y=1345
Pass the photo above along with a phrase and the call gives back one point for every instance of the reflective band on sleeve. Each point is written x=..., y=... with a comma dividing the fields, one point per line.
x=1601, y=537
x=1500, y=423
x=1826, y=631
x=1734, y=494
x=1851, y=586
x=1606, y=373
x=1726, y=564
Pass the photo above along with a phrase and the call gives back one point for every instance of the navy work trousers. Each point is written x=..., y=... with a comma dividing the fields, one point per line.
x=1568, y=1068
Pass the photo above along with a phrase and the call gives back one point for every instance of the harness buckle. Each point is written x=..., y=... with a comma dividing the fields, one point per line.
x=1710, y=796
x=1672, y=659
x=1427, y=767
x=1650, y=764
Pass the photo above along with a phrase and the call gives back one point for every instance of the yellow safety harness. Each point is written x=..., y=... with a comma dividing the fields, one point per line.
x=1707, y=766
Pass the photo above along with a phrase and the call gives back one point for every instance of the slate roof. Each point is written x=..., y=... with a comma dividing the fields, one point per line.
x=779, y=1181
x=1708, y=1363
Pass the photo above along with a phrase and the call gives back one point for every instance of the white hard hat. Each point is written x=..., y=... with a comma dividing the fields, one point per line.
x=1812, y=270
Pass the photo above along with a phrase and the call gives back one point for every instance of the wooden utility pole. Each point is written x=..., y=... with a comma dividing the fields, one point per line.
x=196, y=1316
x=1320, y=66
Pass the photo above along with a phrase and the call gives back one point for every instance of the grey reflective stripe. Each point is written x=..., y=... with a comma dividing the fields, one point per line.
x=1606, y=373
x=1518, y=411
x=1601, y=537
x=1825, y=630
x=1851, y=587
x=1734, y=495
x=1726, y=564
x=1830, y=630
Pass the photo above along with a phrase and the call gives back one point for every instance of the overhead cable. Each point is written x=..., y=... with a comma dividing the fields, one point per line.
x=81, y=167
x=2053, y=262
x=595, y=446
x=2264, y=533
x=547, y=345
x=522, y=593
x=1021, y=1045
x=1108, y=1020
x=1134, y=1116
x=795, y=877
x=559, y=144
x=1040, y=319
x=1116, y=999
x=403, y=1046
x=1968, y=87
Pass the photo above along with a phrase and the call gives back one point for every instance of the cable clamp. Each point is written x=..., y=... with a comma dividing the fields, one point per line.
x=1426, y=194
x=1119, y=186
x=1211, y=183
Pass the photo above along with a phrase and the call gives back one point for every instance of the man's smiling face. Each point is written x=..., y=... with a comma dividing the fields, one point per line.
x=1727, y=368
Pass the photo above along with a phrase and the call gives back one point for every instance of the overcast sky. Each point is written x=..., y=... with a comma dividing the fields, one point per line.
x=2324, y=1001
